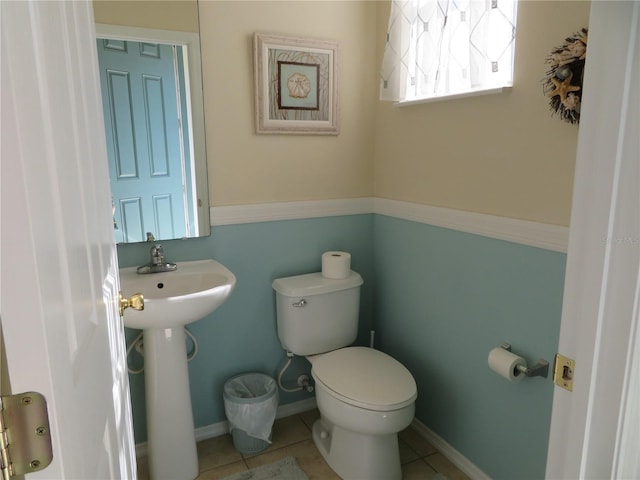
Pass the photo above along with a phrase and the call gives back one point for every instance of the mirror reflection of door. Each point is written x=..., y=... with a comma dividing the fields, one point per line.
x=145, y=111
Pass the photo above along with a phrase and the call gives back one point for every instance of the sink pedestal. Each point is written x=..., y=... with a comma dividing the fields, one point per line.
x=171, y=301
x=170, y=431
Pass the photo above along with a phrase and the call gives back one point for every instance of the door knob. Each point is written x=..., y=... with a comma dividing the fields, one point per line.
x=135, y=301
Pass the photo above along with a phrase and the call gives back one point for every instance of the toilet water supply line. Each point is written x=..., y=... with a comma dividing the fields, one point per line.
x=303, y=380
x=138, y=344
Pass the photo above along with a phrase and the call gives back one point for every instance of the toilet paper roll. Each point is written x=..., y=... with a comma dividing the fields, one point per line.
x=336, y=265
x=505, y=363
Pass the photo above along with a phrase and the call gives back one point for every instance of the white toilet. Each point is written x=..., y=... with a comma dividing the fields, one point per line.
x=365, y=397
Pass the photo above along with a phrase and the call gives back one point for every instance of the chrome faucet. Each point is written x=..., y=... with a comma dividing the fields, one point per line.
x=158, y=263
x=157, y=255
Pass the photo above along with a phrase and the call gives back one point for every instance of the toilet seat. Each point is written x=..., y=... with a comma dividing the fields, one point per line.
x=365, y=378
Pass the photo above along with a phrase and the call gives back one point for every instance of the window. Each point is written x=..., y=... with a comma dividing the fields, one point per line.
x=439, y=48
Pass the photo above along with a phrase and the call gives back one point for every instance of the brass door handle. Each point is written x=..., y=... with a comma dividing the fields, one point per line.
x=135, y=301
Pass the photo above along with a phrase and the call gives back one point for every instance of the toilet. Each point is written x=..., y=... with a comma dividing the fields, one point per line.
x=365, y=397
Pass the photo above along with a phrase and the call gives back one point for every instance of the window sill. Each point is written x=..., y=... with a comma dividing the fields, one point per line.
x=453, y=96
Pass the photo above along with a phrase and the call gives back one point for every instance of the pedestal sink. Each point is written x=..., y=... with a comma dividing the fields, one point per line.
x=172, y=300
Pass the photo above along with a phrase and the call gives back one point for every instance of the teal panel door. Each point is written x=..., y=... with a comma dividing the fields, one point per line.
x=142, y=123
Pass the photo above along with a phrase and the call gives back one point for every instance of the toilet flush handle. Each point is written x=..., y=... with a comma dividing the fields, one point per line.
x=301, y=303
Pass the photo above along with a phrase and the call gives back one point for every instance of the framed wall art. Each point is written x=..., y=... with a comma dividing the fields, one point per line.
x=296, y=85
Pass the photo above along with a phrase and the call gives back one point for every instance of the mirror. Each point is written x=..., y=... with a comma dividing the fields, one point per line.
x=151, y=81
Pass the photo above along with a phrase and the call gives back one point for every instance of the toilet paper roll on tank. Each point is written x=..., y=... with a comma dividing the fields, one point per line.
x=336, y=265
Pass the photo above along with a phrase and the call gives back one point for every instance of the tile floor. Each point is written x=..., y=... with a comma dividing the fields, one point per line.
x=292, y=436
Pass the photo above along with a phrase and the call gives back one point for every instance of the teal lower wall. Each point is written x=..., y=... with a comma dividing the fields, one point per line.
x=443, y=300
x=241, y=335
x=439, y=301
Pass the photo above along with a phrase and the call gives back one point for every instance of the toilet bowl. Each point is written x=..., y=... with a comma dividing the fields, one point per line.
x=365, y=397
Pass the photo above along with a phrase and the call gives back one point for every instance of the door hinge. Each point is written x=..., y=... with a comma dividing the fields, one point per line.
x=25, y=439
x=563, y=371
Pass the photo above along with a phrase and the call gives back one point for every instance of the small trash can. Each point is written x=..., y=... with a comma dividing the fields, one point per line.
x=250, y=404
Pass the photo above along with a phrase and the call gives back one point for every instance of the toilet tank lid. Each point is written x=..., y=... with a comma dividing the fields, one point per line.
x=366, y=377
x=314, y=284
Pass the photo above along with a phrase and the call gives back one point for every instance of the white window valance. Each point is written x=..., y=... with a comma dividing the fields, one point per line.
x=445, y=47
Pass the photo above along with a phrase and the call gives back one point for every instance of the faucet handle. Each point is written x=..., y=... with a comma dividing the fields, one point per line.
x=150, y=237
x=157, y=254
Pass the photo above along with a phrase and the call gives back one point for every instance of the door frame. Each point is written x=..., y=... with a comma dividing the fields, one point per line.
x=594, y=429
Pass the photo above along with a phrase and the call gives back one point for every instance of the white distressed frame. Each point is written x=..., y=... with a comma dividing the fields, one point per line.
x=262, y=44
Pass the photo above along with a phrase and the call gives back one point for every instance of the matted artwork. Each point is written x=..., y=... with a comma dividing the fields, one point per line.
x=296, y=85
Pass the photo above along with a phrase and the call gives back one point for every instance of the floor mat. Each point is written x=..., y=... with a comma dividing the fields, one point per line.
x=285, y=469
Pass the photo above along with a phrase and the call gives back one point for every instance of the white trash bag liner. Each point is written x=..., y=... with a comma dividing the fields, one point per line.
x=250, y=404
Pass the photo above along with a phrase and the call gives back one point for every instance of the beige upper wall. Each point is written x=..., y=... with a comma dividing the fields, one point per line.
x=500, y=154
x=180, y=15
x=247, y=168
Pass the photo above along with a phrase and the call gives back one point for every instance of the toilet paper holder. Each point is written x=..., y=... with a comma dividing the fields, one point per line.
x=540, y=369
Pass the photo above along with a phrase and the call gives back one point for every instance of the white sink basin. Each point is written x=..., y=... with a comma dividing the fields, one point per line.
x=173, y=299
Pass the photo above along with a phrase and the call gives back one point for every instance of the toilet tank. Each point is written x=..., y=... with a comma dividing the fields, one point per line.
x=317, y=314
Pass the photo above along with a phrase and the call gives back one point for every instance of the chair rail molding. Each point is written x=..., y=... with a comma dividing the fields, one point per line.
x=524, y=232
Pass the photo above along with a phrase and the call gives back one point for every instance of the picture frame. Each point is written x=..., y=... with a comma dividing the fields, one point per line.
x=296, y=85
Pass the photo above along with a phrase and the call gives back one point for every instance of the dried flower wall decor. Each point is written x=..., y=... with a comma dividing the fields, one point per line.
x=563, y=83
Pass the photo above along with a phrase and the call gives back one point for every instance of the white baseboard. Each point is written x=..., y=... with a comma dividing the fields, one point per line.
x=459, y=460
x=222, y=428
x=295, y=408
x=524, y=232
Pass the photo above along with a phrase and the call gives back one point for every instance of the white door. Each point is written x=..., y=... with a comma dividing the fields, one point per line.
x=59, y=274
x=595, y=430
